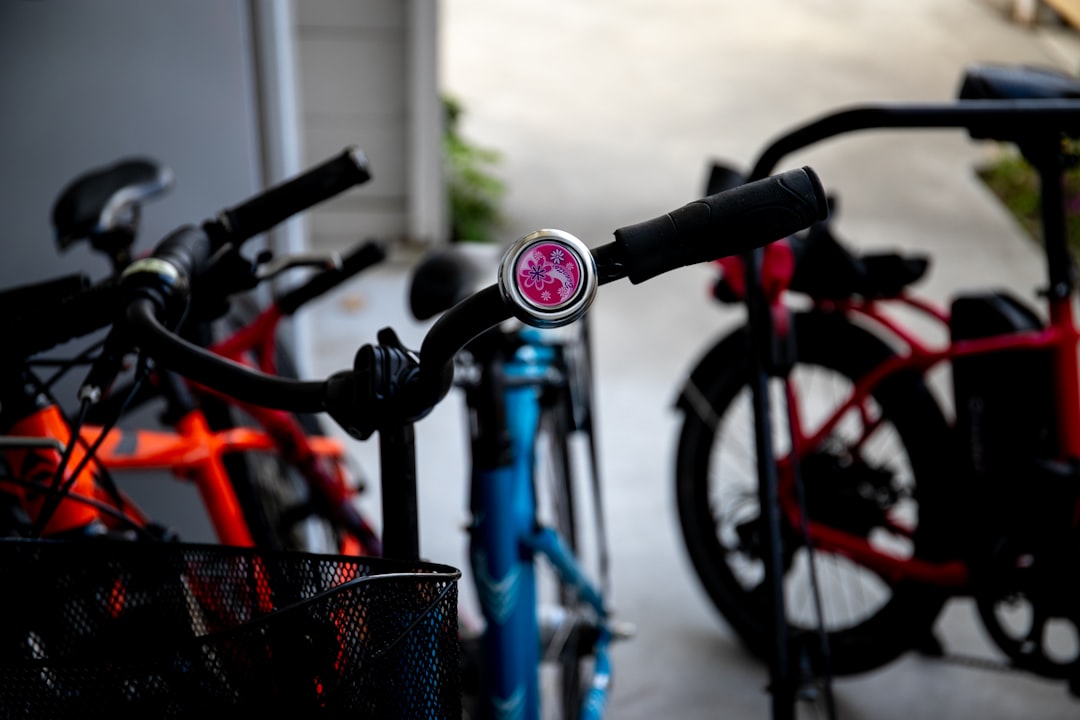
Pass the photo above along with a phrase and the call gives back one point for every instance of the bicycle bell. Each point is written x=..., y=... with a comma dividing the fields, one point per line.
x=549, y=278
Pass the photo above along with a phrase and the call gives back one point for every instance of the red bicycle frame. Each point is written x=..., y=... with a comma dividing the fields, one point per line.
x=319, y=460
x=1035, y=124
x=1060, y=338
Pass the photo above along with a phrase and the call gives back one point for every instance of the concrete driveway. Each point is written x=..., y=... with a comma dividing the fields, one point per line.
x=606, y=113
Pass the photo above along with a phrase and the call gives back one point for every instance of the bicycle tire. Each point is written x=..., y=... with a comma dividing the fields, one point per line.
x=562, y=649
x=825, y=342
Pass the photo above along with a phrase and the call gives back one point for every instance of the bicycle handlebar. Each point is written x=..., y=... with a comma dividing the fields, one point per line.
x=390, y=384
x=267, y=209
x=58, y=316
x=981, y=118
x=83, y=312
x=359, y=258
x=204, y=367
x=766, y=210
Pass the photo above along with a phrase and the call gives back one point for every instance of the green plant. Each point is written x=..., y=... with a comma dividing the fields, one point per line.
x=474, y=192
x=1016, y=185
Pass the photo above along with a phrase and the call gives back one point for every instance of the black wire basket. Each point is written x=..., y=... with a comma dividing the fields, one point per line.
x=108, y=628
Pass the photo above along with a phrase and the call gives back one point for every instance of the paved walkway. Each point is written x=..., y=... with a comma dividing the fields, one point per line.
x=606, y=113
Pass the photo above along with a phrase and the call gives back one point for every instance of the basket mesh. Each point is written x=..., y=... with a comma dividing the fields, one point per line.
x=120, y=629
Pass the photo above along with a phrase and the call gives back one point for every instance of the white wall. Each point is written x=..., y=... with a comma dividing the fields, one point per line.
x=84, y=83
x=367, y=76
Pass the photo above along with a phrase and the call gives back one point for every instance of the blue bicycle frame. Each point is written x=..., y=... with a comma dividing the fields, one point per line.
x=506, y=537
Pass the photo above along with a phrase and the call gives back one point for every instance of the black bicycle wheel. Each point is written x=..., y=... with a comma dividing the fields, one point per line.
x=897, y=474
x=563, y=619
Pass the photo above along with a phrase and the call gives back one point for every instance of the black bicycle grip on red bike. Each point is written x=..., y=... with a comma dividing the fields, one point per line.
x=282, y=201
x=162, y=276
x=187, y=249
x=727, y=223
x=359, y=258
x=59, y=320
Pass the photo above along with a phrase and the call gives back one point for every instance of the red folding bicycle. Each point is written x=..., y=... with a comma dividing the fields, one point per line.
x=901, y=505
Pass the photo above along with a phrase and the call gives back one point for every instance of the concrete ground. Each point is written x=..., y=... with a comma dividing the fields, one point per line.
x=606, y=113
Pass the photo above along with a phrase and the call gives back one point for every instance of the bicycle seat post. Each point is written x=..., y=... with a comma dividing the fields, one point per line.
x=1050, y=161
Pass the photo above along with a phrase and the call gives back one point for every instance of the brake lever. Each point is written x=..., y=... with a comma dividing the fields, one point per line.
x=275, y=266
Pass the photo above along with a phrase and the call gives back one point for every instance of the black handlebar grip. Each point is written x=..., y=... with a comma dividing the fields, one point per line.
x=24, y=299
x=187, y=249
x=358, y=259
x=727, y=223
x=282, y=201
x=48, y=324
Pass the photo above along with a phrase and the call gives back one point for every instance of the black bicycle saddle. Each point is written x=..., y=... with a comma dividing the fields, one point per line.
x=101, y=201
x=1017, y=82
x=827, y=270
x=445, y=277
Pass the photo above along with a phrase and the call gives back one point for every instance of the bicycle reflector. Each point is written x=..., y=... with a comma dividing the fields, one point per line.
x=548, y=278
